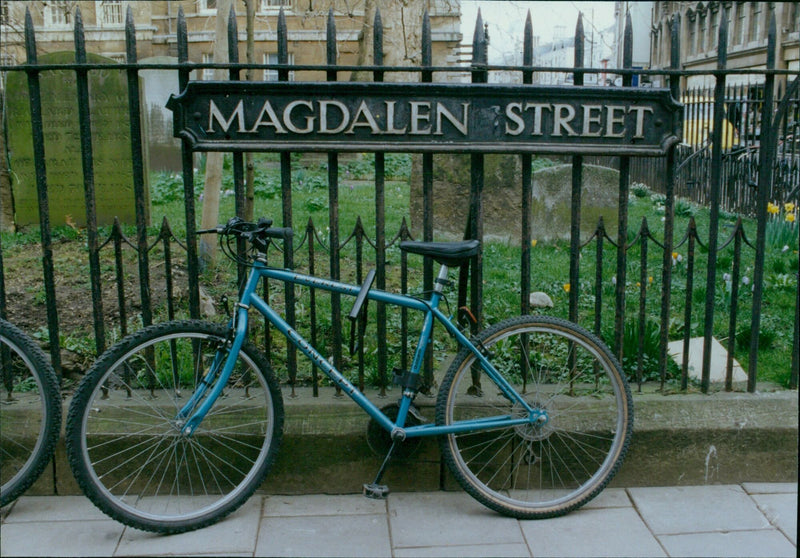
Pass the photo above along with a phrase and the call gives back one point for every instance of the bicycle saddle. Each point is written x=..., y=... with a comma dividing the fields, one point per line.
x=451, y=254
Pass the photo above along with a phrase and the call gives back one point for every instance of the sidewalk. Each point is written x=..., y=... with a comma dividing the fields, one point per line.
x=751, y=519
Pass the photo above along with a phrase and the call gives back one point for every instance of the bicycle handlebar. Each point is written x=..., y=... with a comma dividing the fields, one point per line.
x=238, y=227
x=257, y=234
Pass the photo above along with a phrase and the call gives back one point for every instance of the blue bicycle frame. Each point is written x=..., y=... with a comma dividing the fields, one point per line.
x=202, y=400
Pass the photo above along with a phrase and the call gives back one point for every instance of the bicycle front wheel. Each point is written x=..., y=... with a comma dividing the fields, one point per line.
x=30, y=412
x=537, y=470
x=124, y=431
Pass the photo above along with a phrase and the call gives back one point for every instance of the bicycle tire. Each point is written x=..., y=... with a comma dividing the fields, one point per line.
x=30, y=412
x=126, y=447
x=535, y=471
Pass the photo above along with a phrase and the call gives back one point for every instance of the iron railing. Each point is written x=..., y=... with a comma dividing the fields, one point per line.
x=627, y=245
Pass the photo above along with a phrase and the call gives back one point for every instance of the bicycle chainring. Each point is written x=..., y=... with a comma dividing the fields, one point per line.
x=379, y=440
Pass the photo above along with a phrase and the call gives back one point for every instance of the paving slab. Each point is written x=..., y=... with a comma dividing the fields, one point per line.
x=697, y=509
x=233, y=536
x=327, y=535
x=781, y=511
x=61, y=538
x=473, y=550
x=53, y=509
x=321, y=504
x=447, y=519
x=766, y=543
x=592, y=532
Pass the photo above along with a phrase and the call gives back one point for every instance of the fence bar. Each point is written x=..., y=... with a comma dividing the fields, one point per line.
x=716, y=186
x=687, y=310
x=622, y=224
x=427, y=202
x=37, y=131
x=577, y=187
x=766, y=159
x=310, y=237
x=333, y=215
x=669, y=212
x=644, y=237
x=87, y=160
x=738, y=236
x=187, y=161
x=137, y=161
x=527, y=187
x=117, y=238
x=289, y=291
x=238, y=157
x=475, y=224
x=380, y=219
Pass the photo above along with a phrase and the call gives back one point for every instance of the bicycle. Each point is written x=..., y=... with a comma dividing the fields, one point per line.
x=30, y=412
x=158, y=459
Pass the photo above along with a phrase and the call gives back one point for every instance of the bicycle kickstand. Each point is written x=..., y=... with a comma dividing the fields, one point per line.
x=375, y=490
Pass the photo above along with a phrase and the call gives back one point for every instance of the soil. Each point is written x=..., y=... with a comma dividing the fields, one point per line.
x=22, y=273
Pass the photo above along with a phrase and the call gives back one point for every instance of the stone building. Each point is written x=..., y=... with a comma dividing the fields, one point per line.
x=156, y=24
x=747, y=36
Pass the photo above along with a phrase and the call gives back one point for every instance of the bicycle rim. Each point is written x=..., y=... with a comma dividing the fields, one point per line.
x=30, y=421
x=538, y=470
x=133, y=460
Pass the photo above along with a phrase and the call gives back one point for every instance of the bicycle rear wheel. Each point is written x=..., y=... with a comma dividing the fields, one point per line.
x=125, y=442
x=30, y=412
x=537, y=470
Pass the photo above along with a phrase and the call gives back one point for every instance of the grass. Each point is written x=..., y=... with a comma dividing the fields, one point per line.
x=549, y=261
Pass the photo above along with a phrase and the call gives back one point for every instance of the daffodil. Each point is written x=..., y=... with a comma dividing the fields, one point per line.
x=789, y=207
x=772, y=208
x=566, y=287
x=533, y=243
x=790, y=217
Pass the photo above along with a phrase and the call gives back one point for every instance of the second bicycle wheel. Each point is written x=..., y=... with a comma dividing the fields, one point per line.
x=124, y=434
x=30, y=412
x=544, y=469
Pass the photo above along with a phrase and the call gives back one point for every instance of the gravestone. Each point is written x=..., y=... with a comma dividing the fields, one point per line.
x=552, y=201
x=113, y=173
x=163, y=149
x=502, y=199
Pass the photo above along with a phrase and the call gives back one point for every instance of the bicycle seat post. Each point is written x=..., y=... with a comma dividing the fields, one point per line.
x=441, y=280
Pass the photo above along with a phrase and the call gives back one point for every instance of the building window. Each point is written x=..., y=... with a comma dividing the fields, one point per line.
x=712, y=39
x=692, y=35
x=738, y=31
x=794, y=17
x=701, y=33
x=266, y=5
x=5, y=18
x=206, y=6
x=57, y=14
x=755, y=21
x=111, y=12
x=208, y=73
x=272, y=74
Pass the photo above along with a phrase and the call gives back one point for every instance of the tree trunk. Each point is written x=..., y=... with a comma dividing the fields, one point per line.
x=207, y=246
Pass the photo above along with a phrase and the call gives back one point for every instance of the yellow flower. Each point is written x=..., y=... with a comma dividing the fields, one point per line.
x=790, y=217
x=789, y=207
x=533, y=243
x=772, y=208
x=650, y=279
x=566, y=287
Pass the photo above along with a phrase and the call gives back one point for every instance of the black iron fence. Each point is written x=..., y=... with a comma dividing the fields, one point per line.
x=650, y=301
x=741, y=141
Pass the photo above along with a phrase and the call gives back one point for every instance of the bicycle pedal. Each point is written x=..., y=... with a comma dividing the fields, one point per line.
x=376, y=491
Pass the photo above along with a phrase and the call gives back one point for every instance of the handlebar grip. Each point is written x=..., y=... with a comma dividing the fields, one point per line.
x=283, y=233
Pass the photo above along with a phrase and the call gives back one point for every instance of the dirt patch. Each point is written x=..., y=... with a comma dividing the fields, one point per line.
x=26, y=304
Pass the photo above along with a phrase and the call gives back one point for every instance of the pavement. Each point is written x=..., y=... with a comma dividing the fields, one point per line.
x=748, y=519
